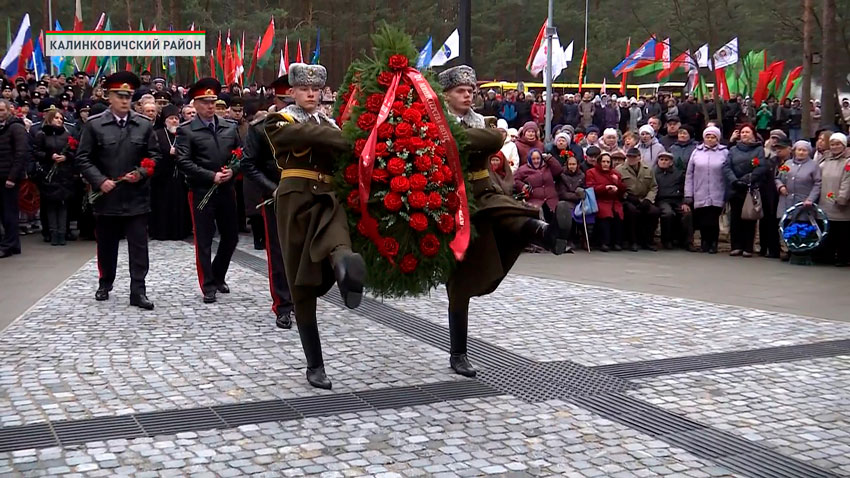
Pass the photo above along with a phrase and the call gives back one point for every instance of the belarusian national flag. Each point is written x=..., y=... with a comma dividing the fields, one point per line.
x=264, y=52
x=792, y=81
x=775, y=71
x=533, y=64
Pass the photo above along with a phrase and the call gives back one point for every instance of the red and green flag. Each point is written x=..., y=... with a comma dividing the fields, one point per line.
x=264, y=50
x=791, y=83
x=659, y=63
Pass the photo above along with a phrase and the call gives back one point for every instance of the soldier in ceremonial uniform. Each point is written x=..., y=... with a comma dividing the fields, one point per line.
x=311, y=222
x=503, y=226
x=261, y=172
x=204, y=148
x=112, y=146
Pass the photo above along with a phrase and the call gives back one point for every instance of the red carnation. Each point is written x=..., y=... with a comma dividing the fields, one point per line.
x=381, y=149
x=434, y=201
x=408, y=264
x=385, y=131
x=353, y=200
x=417, y=200
x=422, y=163
x=403, y=130
x=412, y=116
x=446, y=224
x=419, y=106
x=440, y=150
x=429, y=245
x=437, y=177
x=447, y=172
x=396, y=166
x=418, y=221
x=437, y=161
x=755, y=162
x=392, y=201
x=416, y=143
x=398, y=108
x=351, y=174
x=388, y=247
x=418, y=182
x=237, y=153
x=148, y=165
x=368, y=227
x=847, y=167
x=452, y=201
x=400, y=184
x=346, y=97
x=402, y=91
x=72, y=143
x=433, y=132
x=380, y=175
x=359, y=145
x=400, y=144
x=374, y=102
x=366, y=121
x=398, y=62
x=385, y=78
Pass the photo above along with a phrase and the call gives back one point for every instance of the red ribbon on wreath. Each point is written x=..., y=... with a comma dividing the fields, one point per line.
x=367, y=158
x=351, y=103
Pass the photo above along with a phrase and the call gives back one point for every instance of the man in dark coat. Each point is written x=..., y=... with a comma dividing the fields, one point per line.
x=14, y=156
x=313, y=227
x=204, y=147
x=675, y=215
x=261, y=172
x=503, y=226
x=113, y=146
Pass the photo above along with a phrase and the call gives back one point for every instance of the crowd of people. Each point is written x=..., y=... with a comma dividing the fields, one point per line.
x=674, y=161
x=658, y=159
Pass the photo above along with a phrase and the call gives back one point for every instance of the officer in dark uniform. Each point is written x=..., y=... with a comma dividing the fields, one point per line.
x=261, y=172
x=162, y=99
x=204, y=147
x=112, y=146
x=313, y=227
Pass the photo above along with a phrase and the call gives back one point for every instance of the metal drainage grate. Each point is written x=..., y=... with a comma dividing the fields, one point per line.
x=742, y=358
x=483, y=354
x=73, y=432
x=170, y=422
x=238, y=414
x=26, y=436
x=325, y=405
x=551, y=381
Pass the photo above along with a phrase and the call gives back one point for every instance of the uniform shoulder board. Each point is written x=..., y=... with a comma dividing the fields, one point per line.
x=138, y=116
x=233, y=123
x=184, y=123
x=99, y=115
x=280, y=118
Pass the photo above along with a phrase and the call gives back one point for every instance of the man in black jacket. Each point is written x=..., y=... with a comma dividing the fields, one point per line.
x=260, y=168
x=675, y=215
x=111, y=157
x=205, y=146
x=14, y=155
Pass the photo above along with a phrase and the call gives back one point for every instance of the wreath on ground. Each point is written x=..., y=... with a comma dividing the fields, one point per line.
x=403, y=187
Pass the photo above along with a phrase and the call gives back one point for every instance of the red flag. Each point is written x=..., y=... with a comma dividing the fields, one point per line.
x=78, y=16
x=623, y=81
x=253, y=60
x=789, y=82
x=581, y=70
x=286, y=55
x=264, y=52
x=761, y=88
x=299, y=58
x=219, y=60
x=721, y=88
x=537, y=42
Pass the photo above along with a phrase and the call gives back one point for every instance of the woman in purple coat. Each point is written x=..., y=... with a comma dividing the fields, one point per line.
x=705, y=187
x=537, y=179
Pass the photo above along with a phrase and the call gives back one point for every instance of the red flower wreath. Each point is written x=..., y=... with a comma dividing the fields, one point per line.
x=385, y=131
x=408, y=264
x=418, y=182
x=402, y=91
x=417, y=200
x=419, y=221
x=422, y=163
x=435, y=201
x=398, y=62
x=452, y=201
x=381, y=150
x=446, y=224
x=403, y=130
x=388, y=247
x=385, y=78
x=353, y=200
x=412, y=116
x=396, y=166
x=366, y=121
x=392, y=201
x=351, y=174
x=429, y=245
x=380, y=175
x=400, y=184
x=374, y=102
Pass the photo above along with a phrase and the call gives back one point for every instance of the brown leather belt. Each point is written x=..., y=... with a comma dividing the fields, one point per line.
x=306, y=174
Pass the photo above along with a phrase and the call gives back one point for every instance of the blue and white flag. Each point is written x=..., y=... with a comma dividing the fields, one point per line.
x=449, y=51
x=424, y=58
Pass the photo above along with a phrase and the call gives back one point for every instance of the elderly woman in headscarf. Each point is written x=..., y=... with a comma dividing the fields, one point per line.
x=509, y=149
x=649, y=146
x=609, y=143
x=502, y=178
x=529, y=138
x=536, y=178
x=835, y=200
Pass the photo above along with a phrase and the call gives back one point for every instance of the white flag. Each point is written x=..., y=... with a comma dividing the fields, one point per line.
x=281, y=69
x=559, y=60
x=702, y=56
x=568, y=53
x=449, y=51
x=17, y=45
x=727, y=55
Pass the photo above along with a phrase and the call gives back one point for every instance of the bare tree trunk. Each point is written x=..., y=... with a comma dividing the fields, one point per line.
x=827, y=99
x=806, y=94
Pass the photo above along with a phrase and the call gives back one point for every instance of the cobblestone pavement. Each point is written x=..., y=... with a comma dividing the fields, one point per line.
x=547, y=320
x=477, y=437
x=799, y=409
x=71, y=358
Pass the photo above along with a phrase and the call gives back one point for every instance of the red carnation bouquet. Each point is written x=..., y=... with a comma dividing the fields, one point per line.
x=234, y=164
x=67, y=151
x=146, y=166
x=403, y=187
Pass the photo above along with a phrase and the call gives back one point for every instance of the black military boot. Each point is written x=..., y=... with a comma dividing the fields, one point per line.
x=309, y=333
x=544, y=235
x=458, y=329
x=350, y=272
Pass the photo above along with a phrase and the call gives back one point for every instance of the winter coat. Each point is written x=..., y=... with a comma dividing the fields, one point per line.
x=652, y=109
x=835, y=179
x=795, y=118
x=571, y=114
x=671, y=185
x=491, y=107
x=523, y=146
x=585, y=111
x=49, y=141
x=552, y=149
x=649, y=152
x=641, y=183
x=612, y=117
x=763, y=118
x=740, y=172
x=668, y=141
x=14, y=150
x=538, y=112
x=568, y=184
x=802, y=181
x=705, y=183
x=635, y=117
x=541, y=181
x=511, y=153
x=610, y=203
x=682, y=153
x=625, y=117
x=523, y=112
x=508, y=112
x=599, y=117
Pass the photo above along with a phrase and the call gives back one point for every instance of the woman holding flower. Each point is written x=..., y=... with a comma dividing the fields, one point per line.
x=54, y=148
x=744, y=170
x=799, y=179
x=835, y=200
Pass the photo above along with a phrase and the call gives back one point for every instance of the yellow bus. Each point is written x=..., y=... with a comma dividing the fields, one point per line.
x=637, y=90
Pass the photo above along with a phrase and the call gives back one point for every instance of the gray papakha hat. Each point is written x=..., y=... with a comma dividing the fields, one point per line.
x=302, y=74
x=461, y=75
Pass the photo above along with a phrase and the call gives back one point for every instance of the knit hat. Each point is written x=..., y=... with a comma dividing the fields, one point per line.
x=804, y=144
x=778, y=133
x=563, y=135
x=512, y=132
x=711, y=130
x=592, y=129
x=502, y=124
x=647, y=129
x=839, y=137
x=569, y=130
x=609, y=132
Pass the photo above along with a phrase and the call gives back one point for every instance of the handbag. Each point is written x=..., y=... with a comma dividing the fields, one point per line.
x=752, y=209
x=587, y=205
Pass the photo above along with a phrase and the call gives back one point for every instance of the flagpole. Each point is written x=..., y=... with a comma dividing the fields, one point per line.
x=550, y=30
x=49, y=26
x=586, y=13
